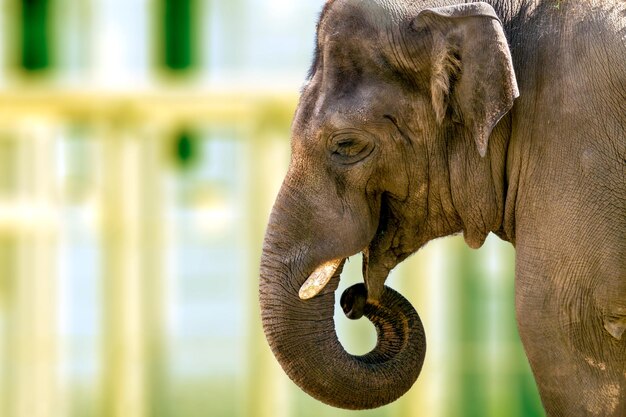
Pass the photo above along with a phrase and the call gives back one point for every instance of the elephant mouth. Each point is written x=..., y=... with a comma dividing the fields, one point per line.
x=321, y=276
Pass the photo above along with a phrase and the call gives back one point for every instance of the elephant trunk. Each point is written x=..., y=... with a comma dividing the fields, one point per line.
x=301, y=334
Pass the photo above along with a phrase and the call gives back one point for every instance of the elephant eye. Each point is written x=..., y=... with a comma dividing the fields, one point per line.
x=349, y=149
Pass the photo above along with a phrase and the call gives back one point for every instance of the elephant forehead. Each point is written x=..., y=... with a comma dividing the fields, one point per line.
x=336, y=117
x=332, y=105
x=352, y=28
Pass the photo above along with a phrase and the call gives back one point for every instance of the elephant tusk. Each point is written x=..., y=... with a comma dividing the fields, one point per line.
x=318, y=279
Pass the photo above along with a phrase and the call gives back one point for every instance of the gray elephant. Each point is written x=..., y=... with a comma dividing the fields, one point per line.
x=422, y=119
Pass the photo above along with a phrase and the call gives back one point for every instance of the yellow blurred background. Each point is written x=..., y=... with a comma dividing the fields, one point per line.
x=142, y=143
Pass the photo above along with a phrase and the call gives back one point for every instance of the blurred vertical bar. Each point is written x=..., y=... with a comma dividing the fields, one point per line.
x=35, y=34
x=153, y=279
x=452, y=405
x=266, y=390
x=8, y=271
x=35, y=346
x=123, y=334
x=179, y=29
x=7, y=297
x=497, y=263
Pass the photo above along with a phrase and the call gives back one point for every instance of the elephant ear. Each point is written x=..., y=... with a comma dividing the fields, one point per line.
x=471, y=69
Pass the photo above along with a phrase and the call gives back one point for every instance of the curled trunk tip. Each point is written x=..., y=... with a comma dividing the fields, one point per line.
x=302, y=336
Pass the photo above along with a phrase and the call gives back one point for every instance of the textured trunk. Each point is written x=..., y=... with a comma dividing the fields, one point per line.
x=301, y=334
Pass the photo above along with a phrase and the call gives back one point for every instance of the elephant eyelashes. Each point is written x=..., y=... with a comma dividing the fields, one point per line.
x=349, y=149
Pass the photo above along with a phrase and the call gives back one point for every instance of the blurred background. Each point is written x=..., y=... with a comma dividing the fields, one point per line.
x=142, y=143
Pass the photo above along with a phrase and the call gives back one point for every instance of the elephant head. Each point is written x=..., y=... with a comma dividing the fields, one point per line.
x=395, y=114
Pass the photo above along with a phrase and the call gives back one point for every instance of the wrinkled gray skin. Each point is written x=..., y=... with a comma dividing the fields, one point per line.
x=398, y=140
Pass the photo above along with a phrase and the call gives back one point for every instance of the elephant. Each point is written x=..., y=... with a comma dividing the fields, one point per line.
x=421, y=119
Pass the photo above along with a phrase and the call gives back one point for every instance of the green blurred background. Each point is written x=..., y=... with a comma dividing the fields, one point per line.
x=142, y=143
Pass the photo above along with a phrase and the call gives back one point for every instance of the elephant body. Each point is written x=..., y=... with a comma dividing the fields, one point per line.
x=422, y=119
